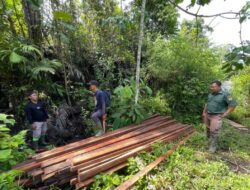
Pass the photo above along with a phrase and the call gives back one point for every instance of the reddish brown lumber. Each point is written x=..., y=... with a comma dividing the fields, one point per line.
x=16, y=167
x=91, y=180
x=154, y=135
x=33, y=164
x=108, y=157
x=102, y=167
x=29, y=167
x=91, y=140
x=56, y=167
x=101, y=145
x=73, y=181
x=122, y=144
x=63, y=166
x=127, y=184
x=45, y=177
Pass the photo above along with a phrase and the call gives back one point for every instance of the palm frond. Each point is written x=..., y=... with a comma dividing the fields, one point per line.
x=75, y=72
x=30, y=49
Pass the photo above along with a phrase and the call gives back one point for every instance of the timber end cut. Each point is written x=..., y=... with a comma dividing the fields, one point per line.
x=77, y=163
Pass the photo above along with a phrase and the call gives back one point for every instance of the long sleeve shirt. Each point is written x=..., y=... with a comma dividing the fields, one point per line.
x=100, y=101
x=36, y=112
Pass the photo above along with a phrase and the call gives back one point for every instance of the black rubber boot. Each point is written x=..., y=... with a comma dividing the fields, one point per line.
x=42, y=141
x=35, y=146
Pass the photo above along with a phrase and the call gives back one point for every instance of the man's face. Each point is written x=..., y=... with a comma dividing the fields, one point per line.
x=93, y=88
x=214, y=88
x=33, y=97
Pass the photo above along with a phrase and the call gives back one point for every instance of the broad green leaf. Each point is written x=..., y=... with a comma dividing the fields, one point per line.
x=64, y=16
x=16, y=58
x=4, y=154
x=4, y=129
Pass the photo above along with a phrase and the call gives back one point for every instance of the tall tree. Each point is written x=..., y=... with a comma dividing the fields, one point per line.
x=138, y=63
x=33, y=19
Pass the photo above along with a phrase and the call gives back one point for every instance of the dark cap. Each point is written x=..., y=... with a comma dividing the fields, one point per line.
x=216, y=82
x=31, y=92
x=93, y=82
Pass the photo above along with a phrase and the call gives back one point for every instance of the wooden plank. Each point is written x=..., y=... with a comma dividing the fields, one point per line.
x=130, y=182
x=108, y=157
x=91, y=180
x=104, y=158
x=16, y=167
x=63, y=167
x=56, y=167
x=102, y=167
x=123, y=144
x=91, y=140
x=36, y=172
x=74, y=181
x=60, y=158
x=28, y=167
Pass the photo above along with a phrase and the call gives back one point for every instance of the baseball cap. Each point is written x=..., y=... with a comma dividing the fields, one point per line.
x=93, y=82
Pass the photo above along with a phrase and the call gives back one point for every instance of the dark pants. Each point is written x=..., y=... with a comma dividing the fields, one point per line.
x=97, y=117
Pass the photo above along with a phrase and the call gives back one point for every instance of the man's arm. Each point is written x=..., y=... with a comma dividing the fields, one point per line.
x=231, y=105
x=103, y=105
x=28, y=114
x=229, y=110
x=204, y=113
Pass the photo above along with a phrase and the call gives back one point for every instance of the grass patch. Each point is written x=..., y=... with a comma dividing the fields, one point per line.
x=190, y=166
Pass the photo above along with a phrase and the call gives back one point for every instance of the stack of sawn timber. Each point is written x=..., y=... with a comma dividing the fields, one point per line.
x=77, y=163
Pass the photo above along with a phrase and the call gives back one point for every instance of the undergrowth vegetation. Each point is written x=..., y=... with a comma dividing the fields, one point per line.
x=189, y=167
x=12, y=151
x=241, y=90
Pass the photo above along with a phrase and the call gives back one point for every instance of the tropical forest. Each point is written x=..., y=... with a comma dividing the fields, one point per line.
x=125, y=94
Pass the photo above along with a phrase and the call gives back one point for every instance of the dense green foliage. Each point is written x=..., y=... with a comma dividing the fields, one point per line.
x=241, y=90
x=57, y=46
x=183, y=68
x=12, y=151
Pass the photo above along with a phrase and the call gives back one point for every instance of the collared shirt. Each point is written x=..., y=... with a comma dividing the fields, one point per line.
x=219, y=102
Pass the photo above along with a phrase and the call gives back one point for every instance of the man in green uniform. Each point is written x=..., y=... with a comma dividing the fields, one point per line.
x=219, y=105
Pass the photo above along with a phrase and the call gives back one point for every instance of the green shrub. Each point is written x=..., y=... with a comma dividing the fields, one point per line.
x=124, y=111
x=183, y=71
x=241, y=91
x=157, y=104
x=12, y=151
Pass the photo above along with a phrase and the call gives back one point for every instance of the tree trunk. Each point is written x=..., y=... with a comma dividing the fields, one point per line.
x=138, y=63
x=12, y=27
x=18, y=19
x=33, y=19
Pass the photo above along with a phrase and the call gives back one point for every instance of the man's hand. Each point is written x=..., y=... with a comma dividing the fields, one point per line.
x=33, y=125
x=224, y=115
x=204, y=114
x=104, y=117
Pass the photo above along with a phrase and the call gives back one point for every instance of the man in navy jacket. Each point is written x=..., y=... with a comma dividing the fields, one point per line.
x=100, y=106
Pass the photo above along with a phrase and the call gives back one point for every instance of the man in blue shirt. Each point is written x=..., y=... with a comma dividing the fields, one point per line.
x=37, y=116
x=99, y=114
